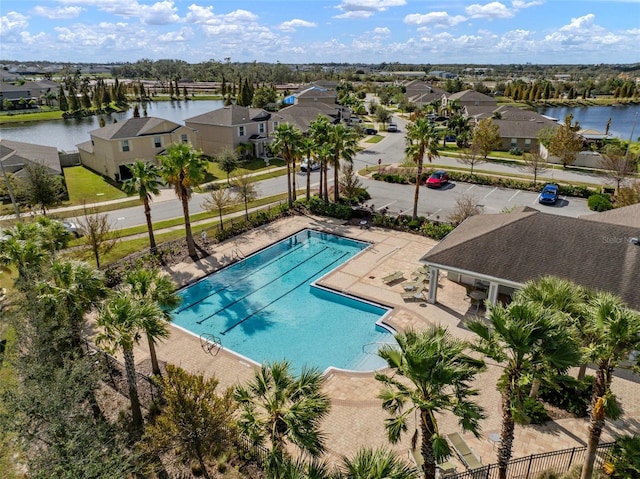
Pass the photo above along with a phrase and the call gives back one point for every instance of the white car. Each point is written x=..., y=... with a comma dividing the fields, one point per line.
x=392, y=127
x=72, y=228
x=305, y=164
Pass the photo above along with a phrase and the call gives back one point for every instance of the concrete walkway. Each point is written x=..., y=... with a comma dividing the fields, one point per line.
x=357, y=419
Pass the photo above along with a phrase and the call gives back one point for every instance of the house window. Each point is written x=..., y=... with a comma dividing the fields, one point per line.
x=184, y=138
x=261, y=128
x=527, y=144
x=125, y=145
x=157, y=141
x=514, y=142
x=275, y=125
x=241, y=131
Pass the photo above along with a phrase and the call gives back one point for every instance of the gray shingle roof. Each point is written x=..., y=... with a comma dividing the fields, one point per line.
x=15, y=155
x=525, y=245
x=134, y=127
x=626, y=216
x=231, y=115
x=302, y=115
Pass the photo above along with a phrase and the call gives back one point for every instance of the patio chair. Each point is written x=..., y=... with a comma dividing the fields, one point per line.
x=446, y=468
x=468, y=457
x=414, y=294
x=411, y=285
x=390, y=278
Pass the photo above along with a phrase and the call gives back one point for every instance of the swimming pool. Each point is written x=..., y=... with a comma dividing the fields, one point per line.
x=268, y=308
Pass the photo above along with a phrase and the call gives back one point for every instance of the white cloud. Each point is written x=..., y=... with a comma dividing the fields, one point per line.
x=366, y=8
x=489, y=11
x=382, y=31
x=183, y=35
x=519, y=4
x=292, y=25
x=11, y=25
x=579, y=23
x=159, y=13
x=57, y=13
x=438, y=19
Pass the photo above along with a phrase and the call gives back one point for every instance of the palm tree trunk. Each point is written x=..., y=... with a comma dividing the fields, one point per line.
x=136, y=412
x=326, y=182
x=308, y=178
x=416, y=195
x=187, y=226
x=426, y=446
x=336, y=188
x=147, y=214
x=294, y=193
x=290, y=201
x=155, y=368
x=321, y=189
x=535, y=388
x=582, y=372
x=506, y=434
x=596, y=421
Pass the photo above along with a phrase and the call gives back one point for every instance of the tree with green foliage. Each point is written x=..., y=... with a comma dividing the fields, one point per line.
x=195, y=420
x=431, y=373
x=565, y=142
x=42, y=188
x=307, y=151
x=62, y=100
x=421, y=140
x=245, y=188
x=278, y=408
x=343, y=141
x=377, y=464
x=184, y=169
x=618, y=164
x=263, y=96
x=228, y=161
x=286, y=143
x=382, y=115
x=614, y=330
x=625, y=460
x=144, y=182
x=149, y=284
x=121, y=320
x=524, y=338
x=486, y=137
x=319, y=130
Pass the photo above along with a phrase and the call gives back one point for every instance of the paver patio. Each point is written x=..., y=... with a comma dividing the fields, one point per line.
x=356, y=418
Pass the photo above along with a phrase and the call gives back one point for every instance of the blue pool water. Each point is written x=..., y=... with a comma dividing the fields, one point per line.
x=267, y=308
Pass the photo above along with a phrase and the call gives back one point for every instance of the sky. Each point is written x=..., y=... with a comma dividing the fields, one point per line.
x=318, y=31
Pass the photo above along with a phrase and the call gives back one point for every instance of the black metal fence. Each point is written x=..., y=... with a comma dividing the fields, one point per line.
x=531, y=467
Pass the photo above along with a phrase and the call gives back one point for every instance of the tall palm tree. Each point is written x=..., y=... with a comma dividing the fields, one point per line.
x=522, y=338
x=122, y=320
x=377, y=464
x=72, y=290
x=280, y=408
x=183, y=168
x=307, y=150
x=421, y=140
x=439, y=371
x=158, y=288
x=319, y=130
x=144, y=182
x=615, y=333
x=344, y=141
x=286, y=143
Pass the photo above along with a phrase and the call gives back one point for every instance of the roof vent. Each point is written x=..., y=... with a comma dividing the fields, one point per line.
x=635, y=241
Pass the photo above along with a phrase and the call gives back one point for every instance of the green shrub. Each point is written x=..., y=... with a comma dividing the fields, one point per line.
x=515, y=151
x=599, y=202
x=435, y=230
x=570, y=394
x=534, y=411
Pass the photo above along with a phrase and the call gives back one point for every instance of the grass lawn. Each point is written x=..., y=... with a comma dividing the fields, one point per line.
x=35, y=115
x=214, y=172
x=85, y=186
x=374, y=139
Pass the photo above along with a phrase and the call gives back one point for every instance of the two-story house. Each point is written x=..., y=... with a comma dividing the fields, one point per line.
x=115, y=146
x=229, y=127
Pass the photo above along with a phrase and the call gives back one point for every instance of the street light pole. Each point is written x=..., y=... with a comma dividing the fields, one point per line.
x=9, y=189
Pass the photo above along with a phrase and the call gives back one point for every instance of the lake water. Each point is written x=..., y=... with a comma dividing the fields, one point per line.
x=596, y=118
x=66, y=134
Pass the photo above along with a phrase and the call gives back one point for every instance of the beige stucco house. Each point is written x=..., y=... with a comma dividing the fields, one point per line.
x=231, y=126
x=115, y=146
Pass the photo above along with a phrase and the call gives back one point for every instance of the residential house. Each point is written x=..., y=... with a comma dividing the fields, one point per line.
x=518, y=128
x=30, y=90
x=16, y=155
x=117, y=145
x=501, y=252
x=473, y=103
x=301, y=115
x=230, y=127
x=422, y=93
x=311, y=95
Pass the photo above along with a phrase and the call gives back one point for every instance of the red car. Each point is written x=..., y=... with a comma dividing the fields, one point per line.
x=437, y=179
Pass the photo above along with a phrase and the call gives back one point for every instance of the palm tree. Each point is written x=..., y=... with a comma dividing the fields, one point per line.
x=286, y=143
x=144, y=182
x=122, y=320
x=343, y=141
x=421, y=139
x=72, y=290
x=319, y=130
x=307, y=149
x=183, y=168
x=615, y=333
x=377, y=464
x=280, y=408
x=158, y=288
x=439, y=372
x=522, y=338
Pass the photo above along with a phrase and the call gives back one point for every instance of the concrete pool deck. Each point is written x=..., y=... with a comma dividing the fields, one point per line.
x=356, y=418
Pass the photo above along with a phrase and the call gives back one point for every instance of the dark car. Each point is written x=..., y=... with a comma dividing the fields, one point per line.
x=370, y=131
x=437, y=179
x=549, y=194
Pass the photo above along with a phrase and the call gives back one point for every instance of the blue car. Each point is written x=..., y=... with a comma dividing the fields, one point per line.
x=549, y=194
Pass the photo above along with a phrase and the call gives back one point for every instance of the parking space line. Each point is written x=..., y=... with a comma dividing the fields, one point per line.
x=470, y=188
x=514, y=195
x=490, y=192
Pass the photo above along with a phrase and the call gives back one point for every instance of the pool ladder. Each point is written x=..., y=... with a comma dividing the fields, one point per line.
x=209, y=342
x=238, y=255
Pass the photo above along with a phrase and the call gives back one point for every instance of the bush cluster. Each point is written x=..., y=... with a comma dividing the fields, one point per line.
x=570, y=395
x=599, y=202
x=421, y=225
x=318, y=206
